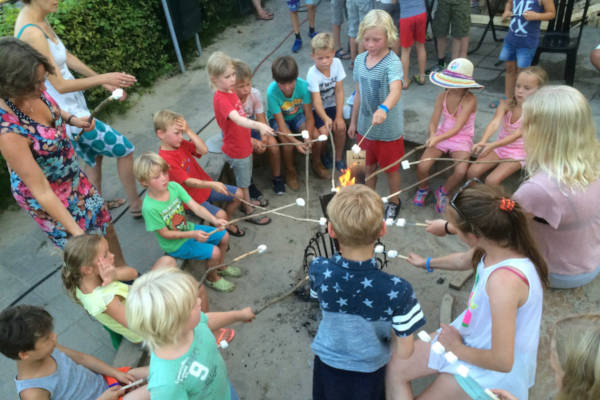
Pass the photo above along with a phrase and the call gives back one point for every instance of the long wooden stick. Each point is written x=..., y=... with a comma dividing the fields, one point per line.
x=281, y=297
x=365, y=135
x=235, y=260
x=306, y=180
x=282, y=214
x=421, y=181
x=398, y=161
x=504, y=160
x=333, y=160
x=233, y=221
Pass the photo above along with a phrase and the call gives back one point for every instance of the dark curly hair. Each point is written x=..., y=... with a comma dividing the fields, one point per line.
x=19, y=67
x=21, y=327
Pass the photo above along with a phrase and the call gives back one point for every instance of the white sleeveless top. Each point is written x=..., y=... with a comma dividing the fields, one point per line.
x=475, y=327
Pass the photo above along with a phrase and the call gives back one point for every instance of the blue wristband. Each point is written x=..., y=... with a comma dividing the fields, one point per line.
x=427, y=266
x=384, y=108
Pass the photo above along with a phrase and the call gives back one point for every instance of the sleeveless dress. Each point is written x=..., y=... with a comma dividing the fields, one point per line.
x=463, y=140
x=53, y=152
x=515, y=149
x=103, y=140
x=475, y=327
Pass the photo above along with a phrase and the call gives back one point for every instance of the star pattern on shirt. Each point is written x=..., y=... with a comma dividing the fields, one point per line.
x=323, y=288
x=337, y=287
x=368, y=303
x=367, y=282
x=392, y=294
x=389, y=311
x=396, y=280
x=342, y=302
x=327, y=273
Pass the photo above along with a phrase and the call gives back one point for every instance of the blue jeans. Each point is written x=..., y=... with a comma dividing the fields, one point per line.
x=522, y=55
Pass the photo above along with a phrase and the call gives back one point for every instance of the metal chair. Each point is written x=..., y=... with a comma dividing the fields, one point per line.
x=557, y=38
x=494, y=7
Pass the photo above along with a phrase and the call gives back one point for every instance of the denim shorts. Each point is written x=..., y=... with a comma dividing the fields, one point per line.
x=522, y=55
x=242, y=168
x=294, y=124
x=338, y=11
x=560, y=281
x=357, y=9
x=192, y=249
x=330, y=111
x=218, y=197
x=294, y=5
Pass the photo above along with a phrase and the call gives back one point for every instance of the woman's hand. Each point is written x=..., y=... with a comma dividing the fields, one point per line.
x=450, y=337
x=416, y=260
x=83, y=123
x=436, y=227
x=118, y=79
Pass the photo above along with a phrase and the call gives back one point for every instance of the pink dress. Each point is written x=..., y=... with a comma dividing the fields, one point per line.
x=515, y=149
x=463, y=140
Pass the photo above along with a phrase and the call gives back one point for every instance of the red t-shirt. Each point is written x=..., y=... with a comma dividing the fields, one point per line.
x=183, y=166
x=236, y=139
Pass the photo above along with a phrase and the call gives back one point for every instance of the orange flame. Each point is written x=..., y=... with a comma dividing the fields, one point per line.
x=346, y=178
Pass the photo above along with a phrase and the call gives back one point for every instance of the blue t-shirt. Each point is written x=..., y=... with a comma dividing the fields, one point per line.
x=288, y=106
x=523, y=33
x=360, y=305
x=374, y=85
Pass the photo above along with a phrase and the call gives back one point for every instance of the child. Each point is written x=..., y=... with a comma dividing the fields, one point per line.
x=230, y=115
x=361, y=304
x=451, y=16
x=164, y=215
x=326, y=85
x=509, y=143
x=451, y=129
x=338, y=14
x=289, y=110
x=311, y=9
x=377, y=106
x=497, y=336
x=522, y=38
x=47, y=370
x=253, y=107
x=185, y=170
x=185, y=362
x=357, y=10
x=413, y=27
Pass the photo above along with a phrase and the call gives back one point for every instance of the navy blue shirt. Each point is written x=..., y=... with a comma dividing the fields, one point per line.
x=360, y=305
x=523, y=33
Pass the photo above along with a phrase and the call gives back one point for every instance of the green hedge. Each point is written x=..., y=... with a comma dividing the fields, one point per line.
x=121, y=35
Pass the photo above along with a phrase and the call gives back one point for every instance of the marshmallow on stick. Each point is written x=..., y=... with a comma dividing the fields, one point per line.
x=259, y=250
x=115, y=95
x=321, y=138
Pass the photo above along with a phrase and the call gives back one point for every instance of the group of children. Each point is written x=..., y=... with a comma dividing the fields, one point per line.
x=356, y=354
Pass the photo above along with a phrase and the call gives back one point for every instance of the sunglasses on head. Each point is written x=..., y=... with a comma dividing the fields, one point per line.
x=458, y=192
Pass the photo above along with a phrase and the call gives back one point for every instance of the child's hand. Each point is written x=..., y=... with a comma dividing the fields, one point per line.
x=531, y=15
x=339, y=124
x=450, y=337
x=484, y=150
x=328, y=124
x=436, y=227
x=302, y=147
x=181, y=124
x=503, y=394
x=220, y=188
x=507, y=15
x=416, y=260
x=123, y=377
x=246, y=314
x=220, y=222
x=113, y=393
x=432, y=141
x=258, y=146
x=352, y=130
x=265, y=129
x=379, y=117
x=106, y=270
x=200, y=236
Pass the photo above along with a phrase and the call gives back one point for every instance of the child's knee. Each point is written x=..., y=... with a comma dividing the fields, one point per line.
x=221, y=214
x=461, y=170
x=493, y=180
x=216, y=252
x=511, y=67
x=165, y=262
x=224, y=241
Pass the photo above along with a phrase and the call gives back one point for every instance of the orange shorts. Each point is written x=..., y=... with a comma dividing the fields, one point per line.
x=382, y=153
x=113, y=381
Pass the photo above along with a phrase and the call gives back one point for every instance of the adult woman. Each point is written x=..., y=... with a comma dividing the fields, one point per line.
x=561, y=194
x=101, y=140
x=46, y=180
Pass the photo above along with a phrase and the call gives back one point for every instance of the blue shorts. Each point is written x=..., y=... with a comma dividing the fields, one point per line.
x=294, y=124
x=242, y=168
x=255, y=134
x=330, y=111
x=294, y=5
x=522, y=55
x=218, y=197
x=192, y=249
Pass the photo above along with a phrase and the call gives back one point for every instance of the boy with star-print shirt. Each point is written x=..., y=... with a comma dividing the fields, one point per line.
x=360, y=304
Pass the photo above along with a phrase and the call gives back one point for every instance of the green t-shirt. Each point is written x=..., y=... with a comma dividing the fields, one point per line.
x=170, y=213
x=288, y=106
x=198, y=374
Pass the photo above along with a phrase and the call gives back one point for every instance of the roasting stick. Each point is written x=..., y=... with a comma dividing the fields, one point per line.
x=115, y=95
x=259, y=250
x=386, y=198
x=379, y=171
x=281, y=297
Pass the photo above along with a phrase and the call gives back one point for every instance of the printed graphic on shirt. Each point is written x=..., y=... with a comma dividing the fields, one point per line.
x=470, y=304
x=174, y=216
x=518, y=23
x=291, y=107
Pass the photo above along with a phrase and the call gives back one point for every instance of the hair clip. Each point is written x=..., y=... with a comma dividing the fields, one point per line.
x=507, y=204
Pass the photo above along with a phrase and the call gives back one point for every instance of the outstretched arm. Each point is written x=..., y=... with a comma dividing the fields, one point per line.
x=218, y=320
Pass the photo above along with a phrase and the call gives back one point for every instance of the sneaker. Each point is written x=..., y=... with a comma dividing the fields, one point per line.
x=255, y=193
x=326, y=159
x=230, y=271
x=312, y=34
x=278, y=186
x=392, y=210
x=420, y=197
x=291, y=179
x=297, y=45
x=437, y=68
x=441, y=200
x=221, y=285
x=340, y=165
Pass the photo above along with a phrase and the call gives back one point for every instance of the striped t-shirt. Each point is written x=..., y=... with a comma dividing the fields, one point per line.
x=374, y=85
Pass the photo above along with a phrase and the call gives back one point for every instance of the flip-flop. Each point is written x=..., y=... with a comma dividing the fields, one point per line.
x=115, y=203
x=260, y=201
x=136, y=214
x=420, y=80
x=342, y=54
x=258, y=220
x=226, y=334
x=238, y=232
x=407, y=84
x=267, y=16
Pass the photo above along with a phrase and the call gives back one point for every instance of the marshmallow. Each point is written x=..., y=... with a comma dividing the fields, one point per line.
x=424, y=336
x=451, y=357
x=491, y=394
x=438, y=348
x=392, y=253
x=384, y=199
x=322, y=221
x=401, y=222
x=322, y=138
x=379, y=249
x=300, y=202
x=335, y=190
x=117, y=94
x=305, y=134
x=223, y=344
x=462, y=371
x=405, y=164
x=356, y=148
x=262, y=248
x=389, y=222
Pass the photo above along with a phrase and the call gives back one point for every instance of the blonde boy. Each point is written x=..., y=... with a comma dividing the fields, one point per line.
x=326, y=85
x=164, y=215
x=361, y=305
x=185, y=363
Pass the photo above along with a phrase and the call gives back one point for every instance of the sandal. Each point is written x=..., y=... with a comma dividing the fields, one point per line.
x=342, y=54
x=258, y=220
x=226, y=334
x=220, y=285
x=419, y=79
x=260, y=201
x=407, y=84
x=230, y=271
x=136, y=214
x=116, y=203
x=265, y=15
x=238, y=231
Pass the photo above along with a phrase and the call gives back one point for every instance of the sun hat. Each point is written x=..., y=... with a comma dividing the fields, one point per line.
x=457, y=75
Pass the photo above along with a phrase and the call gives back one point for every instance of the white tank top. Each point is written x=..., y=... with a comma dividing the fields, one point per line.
x=475, y=327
